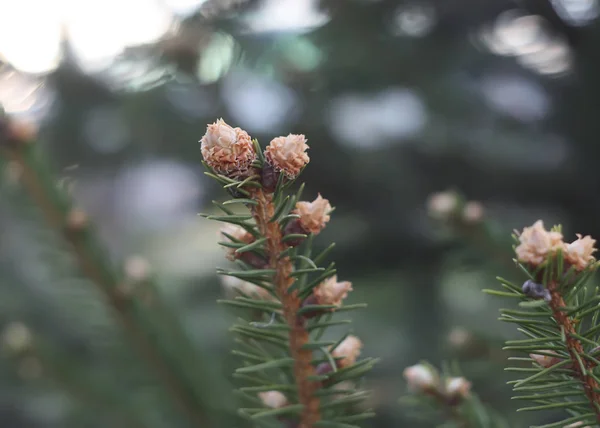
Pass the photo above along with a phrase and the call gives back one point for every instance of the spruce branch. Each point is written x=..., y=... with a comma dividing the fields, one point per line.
x=25, y=349
x=17, y=146
x=558, y=314
x=294, y=375
x=298, y=335
x=446, y=396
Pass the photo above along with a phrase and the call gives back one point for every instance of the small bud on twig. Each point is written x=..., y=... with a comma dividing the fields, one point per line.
x=313, y=215
x=287, y=154
x=227, y=150
x=546, y=360
x=273, y=399
x=457, y=388
x=421, y=378
x=17, y=337
x=348, y=351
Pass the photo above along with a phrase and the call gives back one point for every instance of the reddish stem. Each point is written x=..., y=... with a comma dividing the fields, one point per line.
x=291, y=303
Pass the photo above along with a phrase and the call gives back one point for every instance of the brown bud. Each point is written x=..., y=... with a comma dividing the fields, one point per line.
x=227, y=150
x=536, y=244
x=348, y=351
x=77, y=219
x=579, y=253
x=287, y=154
x=332, y=292
x=313, y=215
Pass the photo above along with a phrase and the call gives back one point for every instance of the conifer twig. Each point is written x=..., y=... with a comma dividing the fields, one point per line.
x=16, y=143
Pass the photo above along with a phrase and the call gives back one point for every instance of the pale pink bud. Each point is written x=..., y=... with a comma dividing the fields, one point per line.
x=227, y=150
x=348, y=351
x=332, y=292
x=442, y=204
x=473, y=212
x=458, y=387
x=545, y=360
x=234, y=285
x=579, y=252
x=313, y=215
x=238, y=233
x=420, y=378
x=536, y=243
x=17, y=337
x=273, y=399
x=137, y=268
x=288, y=154
x=577, y=425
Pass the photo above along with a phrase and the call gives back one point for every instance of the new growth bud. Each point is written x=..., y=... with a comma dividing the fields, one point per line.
x=331, y=292
x=546, y=360
x=442, y=205
x=457, y=388
x=421, y=378
x=234, y=285
x=579, y=252
x=348, y=351
x=273, y=399
x=536, y=243
x=287, y=155
x=313, y=215
x=227, y=150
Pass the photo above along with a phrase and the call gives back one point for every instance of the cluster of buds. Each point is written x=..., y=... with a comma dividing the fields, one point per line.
x=448, y=206
x=424, y=379
x=344, y=355
x=536, y=245
x=230, y=151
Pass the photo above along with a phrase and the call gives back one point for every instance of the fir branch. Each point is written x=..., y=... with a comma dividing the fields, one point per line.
x=582, y=366
x=278, y=280
x=18, y=147
x=447, y=396
x=557, y=307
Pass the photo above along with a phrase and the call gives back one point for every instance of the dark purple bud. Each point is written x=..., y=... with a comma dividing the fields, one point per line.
x=310, y=300
x=254, y=260
x=536, y=290
x=292, y=228
x=288, y=423
x=269, y=178
x=547, y=296
x=323, y=369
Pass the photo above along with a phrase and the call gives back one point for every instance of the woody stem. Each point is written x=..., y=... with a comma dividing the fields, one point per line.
x=291, y=302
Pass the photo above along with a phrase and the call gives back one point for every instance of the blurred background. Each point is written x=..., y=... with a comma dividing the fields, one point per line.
x=398, y=99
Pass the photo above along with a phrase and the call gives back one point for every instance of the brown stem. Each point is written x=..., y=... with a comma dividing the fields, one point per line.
x=291, y=304
x=91, y=268
x=575, y=349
